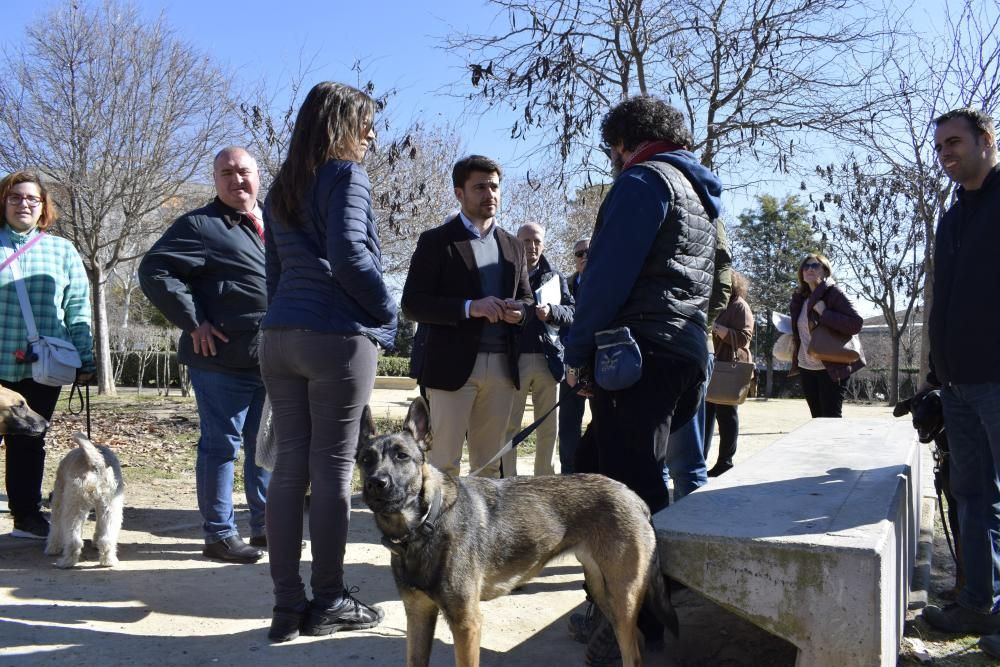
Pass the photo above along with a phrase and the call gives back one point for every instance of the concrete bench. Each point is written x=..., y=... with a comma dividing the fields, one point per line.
x=812, y=539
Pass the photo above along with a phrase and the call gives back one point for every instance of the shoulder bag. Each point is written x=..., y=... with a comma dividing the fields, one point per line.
x=618, y=361
x=783, y=348
x=834, y=347
x=54, y=360
x=730, y=382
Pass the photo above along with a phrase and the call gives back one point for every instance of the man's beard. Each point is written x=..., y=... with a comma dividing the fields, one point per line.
x=616, y=165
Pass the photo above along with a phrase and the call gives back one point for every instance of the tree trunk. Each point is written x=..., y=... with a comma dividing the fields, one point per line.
x=102, y=341
x=925, y=342
x=894, y=371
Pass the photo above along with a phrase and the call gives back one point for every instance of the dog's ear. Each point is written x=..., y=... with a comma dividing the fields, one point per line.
x=418, y=420
x=367, y=431
x=902, y=408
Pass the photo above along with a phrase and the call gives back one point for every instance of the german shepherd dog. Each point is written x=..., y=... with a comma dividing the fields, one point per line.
x=16, y=418
x=455, y=542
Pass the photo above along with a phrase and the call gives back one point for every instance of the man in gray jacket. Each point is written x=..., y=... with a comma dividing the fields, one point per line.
x=206, y=275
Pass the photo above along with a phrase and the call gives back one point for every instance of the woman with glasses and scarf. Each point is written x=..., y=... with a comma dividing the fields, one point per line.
x=819, y=301
x=59, y=296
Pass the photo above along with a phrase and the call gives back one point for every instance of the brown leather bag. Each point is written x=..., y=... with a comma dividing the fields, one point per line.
x=833, y=346
x=730, y=382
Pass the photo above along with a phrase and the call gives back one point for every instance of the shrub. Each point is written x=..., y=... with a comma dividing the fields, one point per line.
x=394, y=366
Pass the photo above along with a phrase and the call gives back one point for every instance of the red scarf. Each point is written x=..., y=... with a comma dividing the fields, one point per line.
x=648, y=149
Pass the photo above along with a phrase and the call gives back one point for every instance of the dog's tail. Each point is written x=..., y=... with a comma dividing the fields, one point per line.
x=658, y=596
x=93, y=454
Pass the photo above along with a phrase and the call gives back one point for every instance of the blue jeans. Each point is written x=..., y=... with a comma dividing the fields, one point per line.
x=571, y=408
x=972, y=422
x=686, y=447
x=229, y=407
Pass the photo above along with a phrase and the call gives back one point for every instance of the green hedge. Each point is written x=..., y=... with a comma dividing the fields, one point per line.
x=394, y=366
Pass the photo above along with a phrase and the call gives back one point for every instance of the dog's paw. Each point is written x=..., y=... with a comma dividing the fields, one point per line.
x=66, y=563
x=109, y=561
x=53, y=550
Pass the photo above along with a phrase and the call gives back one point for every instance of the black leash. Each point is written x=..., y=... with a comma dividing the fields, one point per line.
x=517, y=439
x=938, y=488
x=84, y=403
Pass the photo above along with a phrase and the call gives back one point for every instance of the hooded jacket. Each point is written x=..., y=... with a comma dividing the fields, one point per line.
x=652, y=260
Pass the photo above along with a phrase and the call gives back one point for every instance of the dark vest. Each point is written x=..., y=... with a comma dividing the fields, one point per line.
x=668, y=305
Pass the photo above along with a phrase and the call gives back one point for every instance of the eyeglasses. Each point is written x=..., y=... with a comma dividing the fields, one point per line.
x=30, y=200
x=816, y=266
x=580, y=254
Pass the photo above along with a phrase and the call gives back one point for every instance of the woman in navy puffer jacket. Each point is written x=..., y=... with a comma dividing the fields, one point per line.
x=328, y=309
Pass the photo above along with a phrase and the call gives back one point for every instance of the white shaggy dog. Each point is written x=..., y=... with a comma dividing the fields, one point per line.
x=89, y=477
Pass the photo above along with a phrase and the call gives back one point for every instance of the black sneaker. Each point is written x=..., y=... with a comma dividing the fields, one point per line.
x=990, y=645
x=347, y=614
x=582, y=626
x=286, y=624
x=232, y=549
x=33, y=527
x=602, y=649
x=956, y=619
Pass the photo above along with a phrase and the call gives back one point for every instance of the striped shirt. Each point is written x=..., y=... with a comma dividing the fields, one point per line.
x=59, y=293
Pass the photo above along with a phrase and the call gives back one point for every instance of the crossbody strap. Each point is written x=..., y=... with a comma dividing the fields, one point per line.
x=13, y=264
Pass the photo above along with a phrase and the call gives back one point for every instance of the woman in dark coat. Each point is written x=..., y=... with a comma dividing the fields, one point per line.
x=819, y=301
x=328, y=310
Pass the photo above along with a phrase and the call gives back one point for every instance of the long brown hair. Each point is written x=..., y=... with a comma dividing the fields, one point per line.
x=741, y=286
x=49, y=212
x=332, y=118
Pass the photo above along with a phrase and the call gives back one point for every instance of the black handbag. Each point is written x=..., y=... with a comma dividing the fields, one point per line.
x=618, y=361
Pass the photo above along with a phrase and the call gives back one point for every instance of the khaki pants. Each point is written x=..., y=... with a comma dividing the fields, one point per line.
x=536, y=378
x=477, y=411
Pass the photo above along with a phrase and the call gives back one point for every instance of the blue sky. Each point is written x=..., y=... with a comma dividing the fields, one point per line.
x=397, y=42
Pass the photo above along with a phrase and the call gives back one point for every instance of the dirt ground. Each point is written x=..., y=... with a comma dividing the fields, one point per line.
x=167, y=604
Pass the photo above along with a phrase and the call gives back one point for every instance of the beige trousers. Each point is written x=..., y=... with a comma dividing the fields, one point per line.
x=477, y=411
x=536, y=378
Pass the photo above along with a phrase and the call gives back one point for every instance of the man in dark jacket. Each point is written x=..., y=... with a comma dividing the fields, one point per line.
x=206, y=275
x=650, y=268
x=571, y=404
x=468, y=284
x=540, y=352
x=965, y=363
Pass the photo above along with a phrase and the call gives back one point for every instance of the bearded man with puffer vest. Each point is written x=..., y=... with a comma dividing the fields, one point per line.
x=651, y=268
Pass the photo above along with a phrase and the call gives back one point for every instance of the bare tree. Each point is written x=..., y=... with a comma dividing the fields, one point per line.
x=751, y=74
x=873, y=226
x=412, y=190
x=410, y=170
x=119, y=114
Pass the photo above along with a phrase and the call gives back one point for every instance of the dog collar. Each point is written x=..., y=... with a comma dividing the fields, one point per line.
x=423, y=530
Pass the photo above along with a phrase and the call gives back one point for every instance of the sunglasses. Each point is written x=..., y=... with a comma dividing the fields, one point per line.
x=812, y=265
x=580, y=254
